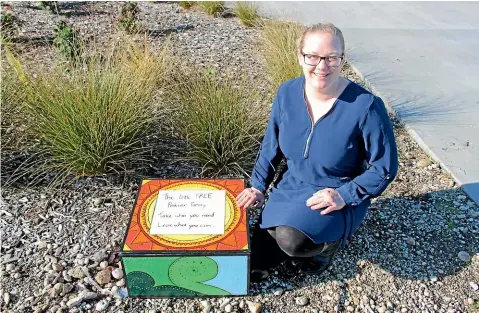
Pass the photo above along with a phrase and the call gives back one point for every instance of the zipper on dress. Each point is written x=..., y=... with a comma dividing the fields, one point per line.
x=306, y=149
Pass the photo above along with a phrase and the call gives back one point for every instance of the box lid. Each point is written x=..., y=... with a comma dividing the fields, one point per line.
x=139, y=239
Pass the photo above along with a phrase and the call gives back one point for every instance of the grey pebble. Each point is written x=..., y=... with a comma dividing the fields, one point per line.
x=97, y=201
x=101, y=305
x=117, y=273
x=302, y=301
x=464, y=256
x=58, y=251
x=51, y=259
x=66, y=277
x=224, y=303
x=206, y=306
x=382, y=309
x=6, y=298
x=99, y=256
x=474, y=286
x=254, y=307
x=77, y=272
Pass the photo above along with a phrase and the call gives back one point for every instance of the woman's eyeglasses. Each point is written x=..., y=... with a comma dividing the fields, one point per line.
x=314, y=60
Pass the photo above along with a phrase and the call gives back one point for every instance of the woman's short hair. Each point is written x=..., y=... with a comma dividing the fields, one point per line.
x=321, y=28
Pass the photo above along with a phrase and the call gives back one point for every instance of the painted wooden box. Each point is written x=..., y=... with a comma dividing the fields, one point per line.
x=192, y=262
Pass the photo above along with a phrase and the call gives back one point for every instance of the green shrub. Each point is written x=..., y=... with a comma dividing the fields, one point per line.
x=222, y=119
x=95, y=118
x=279, y=50
x=51, y=6
x=67, y=41
x=127, y=21
x=212, y=7
x=186, y=4
x=247, y=13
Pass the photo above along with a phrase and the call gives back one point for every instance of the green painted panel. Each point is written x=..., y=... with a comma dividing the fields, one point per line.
x=184, y=276
x=157, y=267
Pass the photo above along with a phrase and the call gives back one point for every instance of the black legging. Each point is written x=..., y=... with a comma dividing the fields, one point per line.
x=270, y=247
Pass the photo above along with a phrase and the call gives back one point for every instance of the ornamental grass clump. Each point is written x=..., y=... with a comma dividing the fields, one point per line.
x=279, y=50
x=95, y=118
x=247, y=12
x=212, y=7
x=221, y=118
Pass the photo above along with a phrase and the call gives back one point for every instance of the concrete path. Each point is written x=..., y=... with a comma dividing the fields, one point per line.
x=422, y=58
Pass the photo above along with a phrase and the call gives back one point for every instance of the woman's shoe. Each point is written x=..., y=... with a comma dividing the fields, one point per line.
x=321, y=262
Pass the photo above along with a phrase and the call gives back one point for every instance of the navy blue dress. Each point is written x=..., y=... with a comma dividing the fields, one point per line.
x=351, y=148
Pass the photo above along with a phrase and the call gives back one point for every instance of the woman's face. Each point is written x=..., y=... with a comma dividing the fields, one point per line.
x=324, y=74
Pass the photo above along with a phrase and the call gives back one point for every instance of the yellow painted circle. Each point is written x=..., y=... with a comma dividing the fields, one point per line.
x=231, y=219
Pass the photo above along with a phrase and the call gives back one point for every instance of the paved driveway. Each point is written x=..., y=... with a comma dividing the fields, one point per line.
x=422, y=58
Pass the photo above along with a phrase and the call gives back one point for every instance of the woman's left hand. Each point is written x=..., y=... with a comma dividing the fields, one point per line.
x=327, y=198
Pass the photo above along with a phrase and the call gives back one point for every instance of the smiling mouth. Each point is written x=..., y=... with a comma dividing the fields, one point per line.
x=321, y=75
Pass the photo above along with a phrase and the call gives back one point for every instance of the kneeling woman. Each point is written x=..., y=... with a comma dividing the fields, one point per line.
x=340, y=152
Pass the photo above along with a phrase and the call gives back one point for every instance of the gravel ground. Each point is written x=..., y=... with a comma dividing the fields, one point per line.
x=417, y=250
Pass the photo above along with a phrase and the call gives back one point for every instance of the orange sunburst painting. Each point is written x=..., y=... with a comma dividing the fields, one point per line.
x=141, y=238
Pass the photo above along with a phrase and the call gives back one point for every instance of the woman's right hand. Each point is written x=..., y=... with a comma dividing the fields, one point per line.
x=249, y=196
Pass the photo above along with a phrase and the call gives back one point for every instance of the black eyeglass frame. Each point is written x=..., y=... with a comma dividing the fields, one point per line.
x=341, y=57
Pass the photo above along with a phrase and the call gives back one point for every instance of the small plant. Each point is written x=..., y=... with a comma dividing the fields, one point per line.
x=127, y=21
x=221, y=118
x=280, y=50
x=51, y=6
x=8, y=21
x=186, y=4
x=67, y=41
x=212, y=7
x=247, y=13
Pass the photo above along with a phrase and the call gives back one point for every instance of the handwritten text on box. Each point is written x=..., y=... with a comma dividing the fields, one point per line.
x=189, y=212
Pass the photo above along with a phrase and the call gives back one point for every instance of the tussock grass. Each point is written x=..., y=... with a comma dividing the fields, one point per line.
x=94, y=118
x=279, y=50
x=248, y=14
x=212, y=7
x=221, y=118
